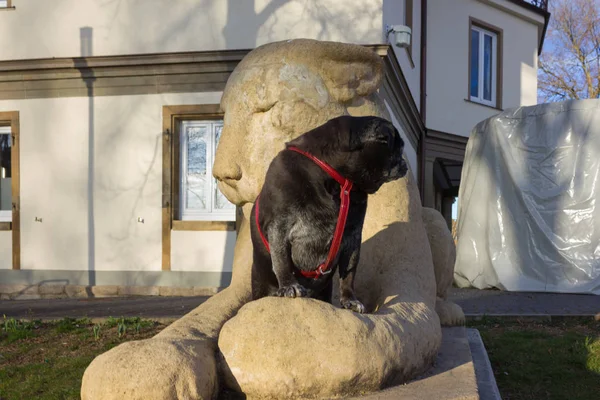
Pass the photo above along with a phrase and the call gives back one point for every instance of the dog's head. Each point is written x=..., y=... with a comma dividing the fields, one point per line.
x=281, y=90
x=366, y=150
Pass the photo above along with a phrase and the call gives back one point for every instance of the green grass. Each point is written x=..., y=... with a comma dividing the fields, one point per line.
x=14, y=330
x=47, y=360
x=544, y=360
x=531, y=360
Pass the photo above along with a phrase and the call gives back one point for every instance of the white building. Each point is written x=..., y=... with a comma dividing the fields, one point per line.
x=94, y=92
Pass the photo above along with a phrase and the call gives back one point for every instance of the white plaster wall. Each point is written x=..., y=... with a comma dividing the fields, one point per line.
x=393, y=14
x=101, y=232
x=127, y=180
x=41, y=28
x=210, y=251
x=5, y=250
x=447, y=60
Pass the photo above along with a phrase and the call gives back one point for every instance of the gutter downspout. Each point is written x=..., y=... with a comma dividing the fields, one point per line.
x=423, y=100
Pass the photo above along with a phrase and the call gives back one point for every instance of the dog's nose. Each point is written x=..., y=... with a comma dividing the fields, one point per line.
x=399, y=171
x=403, y=168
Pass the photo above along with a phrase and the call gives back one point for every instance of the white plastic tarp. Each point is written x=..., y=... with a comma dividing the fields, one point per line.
x=528, y=214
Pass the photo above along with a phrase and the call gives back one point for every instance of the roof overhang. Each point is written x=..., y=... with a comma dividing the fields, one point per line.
x=526, y=11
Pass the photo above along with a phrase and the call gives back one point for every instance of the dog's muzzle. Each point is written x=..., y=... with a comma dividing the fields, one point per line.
x=397, y=171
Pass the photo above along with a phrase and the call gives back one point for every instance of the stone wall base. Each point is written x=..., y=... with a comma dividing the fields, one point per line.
x=49, y=291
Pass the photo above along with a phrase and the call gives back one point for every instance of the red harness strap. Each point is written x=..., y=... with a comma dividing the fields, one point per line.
x=346, y=185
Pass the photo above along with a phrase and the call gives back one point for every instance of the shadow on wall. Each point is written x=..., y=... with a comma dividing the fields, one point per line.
x=107, y=150
x=248, y=23
x=228, y=252
x=243, y=13
x=86, y=38
x=267, y=26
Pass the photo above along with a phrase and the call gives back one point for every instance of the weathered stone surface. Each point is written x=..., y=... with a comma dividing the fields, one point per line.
x=19, y=296
x=18, y=289
x=453, y=376
x=175, y=291
x=104, y=290
x=307, y=348
x=269, y=347
x=137, y=291
x=52, y=296
x=46, y=289
x=77, y=291
x=443, y=252
x=276, y=93
x=176, y=369
x=205, y=291
x=51, y=291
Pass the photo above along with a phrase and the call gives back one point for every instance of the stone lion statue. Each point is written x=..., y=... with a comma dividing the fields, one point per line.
x=299, y=348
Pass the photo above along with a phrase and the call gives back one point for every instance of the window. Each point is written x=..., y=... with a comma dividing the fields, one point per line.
x=191, y=200
x=484, y=65
x=6, y=4
x=200, y=198
x=5, y=173
x=10, y=219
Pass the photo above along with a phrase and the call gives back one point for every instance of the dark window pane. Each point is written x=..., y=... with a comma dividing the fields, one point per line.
x=474, y=63
x=487, y=67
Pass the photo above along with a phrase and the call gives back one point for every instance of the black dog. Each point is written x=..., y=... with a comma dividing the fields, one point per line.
x=298, y=209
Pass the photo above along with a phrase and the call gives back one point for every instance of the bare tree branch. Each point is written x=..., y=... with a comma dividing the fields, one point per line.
x=569, y=67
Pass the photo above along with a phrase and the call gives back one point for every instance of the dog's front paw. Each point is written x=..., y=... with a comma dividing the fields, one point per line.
x=295, y=290
x=353, y=305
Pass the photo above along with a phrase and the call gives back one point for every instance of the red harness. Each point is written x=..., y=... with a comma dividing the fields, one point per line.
x=346, y=185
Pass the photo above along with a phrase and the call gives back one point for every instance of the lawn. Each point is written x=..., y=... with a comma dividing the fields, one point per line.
x=47, y=360
x=531, y=360
x=544, y=360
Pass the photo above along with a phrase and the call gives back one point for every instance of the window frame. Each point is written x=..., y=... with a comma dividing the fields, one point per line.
x=482, y=79
x=484, y=28
x=11, y=119
x=8, y=6
x=172, y=116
